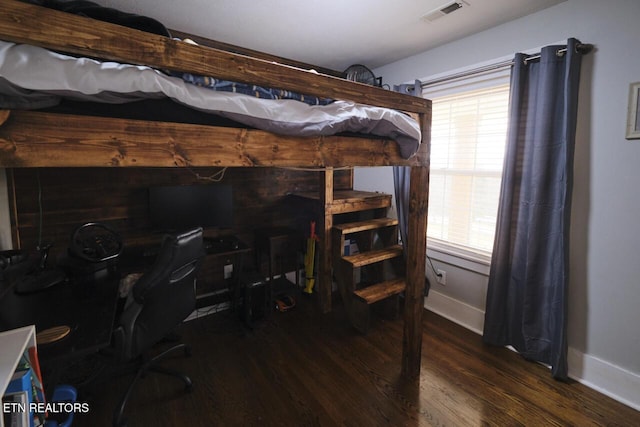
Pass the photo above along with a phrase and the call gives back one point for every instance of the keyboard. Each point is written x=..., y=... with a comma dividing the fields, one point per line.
x=221, y=244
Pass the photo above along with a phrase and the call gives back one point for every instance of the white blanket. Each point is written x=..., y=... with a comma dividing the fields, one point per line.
x=32, y=77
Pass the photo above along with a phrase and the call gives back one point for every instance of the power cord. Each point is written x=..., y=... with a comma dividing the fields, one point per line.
x=39, y=209
x=433, y=268
x=214, y=177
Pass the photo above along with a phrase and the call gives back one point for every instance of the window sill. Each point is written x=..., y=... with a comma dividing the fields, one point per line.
x=458, y=257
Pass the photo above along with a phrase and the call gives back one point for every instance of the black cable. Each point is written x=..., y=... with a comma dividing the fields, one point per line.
x=39, y=209
x=433, y=268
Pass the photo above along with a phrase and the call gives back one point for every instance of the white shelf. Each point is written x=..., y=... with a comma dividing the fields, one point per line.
x=13, y=344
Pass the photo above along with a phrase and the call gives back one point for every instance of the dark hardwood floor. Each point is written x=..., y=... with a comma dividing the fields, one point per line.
x=302, y=368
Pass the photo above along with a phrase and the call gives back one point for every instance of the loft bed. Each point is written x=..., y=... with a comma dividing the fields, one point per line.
x=34, y=138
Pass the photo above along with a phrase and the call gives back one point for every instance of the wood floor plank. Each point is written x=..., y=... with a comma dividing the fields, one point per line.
x=303, y=368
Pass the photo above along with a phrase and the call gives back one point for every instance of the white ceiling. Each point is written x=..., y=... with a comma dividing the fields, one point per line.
x=331, y=33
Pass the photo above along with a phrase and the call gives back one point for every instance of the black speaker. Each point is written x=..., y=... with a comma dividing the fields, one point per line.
x=255, y=301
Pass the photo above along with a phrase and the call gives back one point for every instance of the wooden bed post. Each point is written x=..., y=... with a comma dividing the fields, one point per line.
x=416, y=259
x=416, y=254
x=325, y=277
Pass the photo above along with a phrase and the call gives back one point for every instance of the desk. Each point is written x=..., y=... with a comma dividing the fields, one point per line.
x=87, y=306
x=229, y=249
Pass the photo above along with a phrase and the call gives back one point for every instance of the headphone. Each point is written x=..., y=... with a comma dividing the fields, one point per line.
x=12, y=257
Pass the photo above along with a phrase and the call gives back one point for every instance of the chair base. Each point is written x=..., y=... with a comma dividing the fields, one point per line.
x=150, y=366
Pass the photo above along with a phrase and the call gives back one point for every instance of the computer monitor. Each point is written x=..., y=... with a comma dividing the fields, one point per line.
x=181, y=207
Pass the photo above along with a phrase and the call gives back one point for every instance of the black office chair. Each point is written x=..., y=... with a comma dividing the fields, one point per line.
x=158, y=302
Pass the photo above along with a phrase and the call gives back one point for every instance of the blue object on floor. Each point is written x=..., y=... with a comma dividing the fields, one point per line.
x=62, y=393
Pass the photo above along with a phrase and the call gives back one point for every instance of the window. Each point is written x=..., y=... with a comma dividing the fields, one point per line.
x=467, y=149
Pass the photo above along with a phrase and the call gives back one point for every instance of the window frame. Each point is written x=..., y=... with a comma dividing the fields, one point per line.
x=446, y=87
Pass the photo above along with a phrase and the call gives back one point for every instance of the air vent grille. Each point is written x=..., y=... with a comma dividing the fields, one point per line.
x=444, y=10
x=452, y=7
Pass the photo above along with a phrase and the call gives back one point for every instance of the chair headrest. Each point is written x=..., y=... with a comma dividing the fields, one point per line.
x=187, y=245
x=179, y=256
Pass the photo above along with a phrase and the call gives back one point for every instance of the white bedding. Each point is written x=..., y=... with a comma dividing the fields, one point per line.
x=33, y=77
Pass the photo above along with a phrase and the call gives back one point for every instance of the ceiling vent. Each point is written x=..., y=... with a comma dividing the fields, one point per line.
x=444, y=10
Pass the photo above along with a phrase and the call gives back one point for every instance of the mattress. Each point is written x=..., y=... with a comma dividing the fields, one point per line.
x=35, y=78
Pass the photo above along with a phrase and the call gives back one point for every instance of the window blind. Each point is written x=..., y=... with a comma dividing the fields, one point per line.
x=467, y=151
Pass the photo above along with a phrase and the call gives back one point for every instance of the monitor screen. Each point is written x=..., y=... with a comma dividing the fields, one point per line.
x=175, y=208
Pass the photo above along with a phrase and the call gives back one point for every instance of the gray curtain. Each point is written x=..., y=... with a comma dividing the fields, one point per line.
x=401, y=181
x=526, y=303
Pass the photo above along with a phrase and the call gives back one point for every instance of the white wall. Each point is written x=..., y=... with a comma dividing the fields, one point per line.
x=604, y=311
x=5, y=223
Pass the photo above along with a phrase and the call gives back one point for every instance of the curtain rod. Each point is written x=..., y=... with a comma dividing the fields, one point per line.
x=582, y=48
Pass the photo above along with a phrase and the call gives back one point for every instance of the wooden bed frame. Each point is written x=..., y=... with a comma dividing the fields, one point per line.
x=32, y=139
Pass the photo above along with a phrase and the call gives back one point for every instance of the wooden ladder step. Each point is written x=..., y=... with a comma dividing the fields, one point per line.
x=371, y=224
x=380, y=291
x=345, y=201
x=354, y=201
x=372, y=257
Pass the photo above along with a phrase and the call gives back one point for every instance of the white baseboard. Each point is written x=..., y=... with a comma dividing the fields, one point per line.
x=458, y=312
x=602, y=376
x=608, y=379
